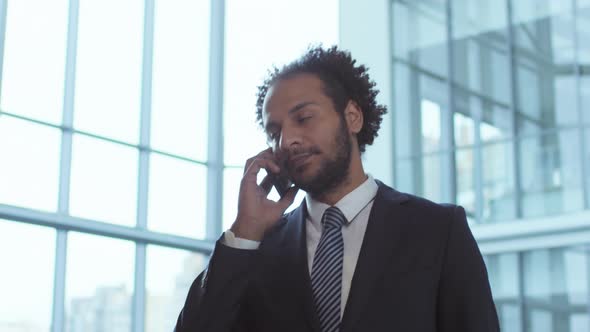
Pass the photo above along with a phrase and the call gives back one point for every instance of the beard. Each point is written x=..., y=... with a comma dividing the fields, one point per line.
x=333, y=169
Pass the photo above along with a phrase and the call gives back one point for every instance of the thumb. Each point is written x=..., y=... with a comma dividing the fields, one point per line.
x=289, y=197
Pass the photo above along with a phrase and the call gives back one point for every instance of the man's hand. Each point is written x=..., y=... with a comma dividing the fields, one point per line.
x=256, y=213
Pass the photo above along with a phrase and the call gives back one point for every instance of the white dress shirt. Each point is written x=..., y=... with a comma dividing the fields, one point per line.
x=356, y=207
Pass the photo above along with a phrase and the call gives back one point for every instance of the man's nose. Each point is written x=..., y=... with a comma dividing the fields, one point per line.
x=290, y=137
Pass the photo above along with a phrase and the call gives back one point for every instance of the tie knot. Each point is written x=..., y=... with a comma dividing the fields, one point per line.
x=333, y=218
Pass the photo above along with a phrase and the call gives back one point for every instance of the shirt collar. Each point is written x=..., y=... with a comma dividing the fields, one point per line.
x=350, y=205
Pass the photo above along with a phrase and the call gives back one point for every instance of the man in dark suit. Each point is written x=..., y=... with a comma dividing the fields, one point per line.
x=356, y=255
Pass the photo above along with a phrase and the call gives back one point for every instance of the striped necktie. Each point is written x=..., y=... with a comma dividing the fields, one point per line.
x=326, y=272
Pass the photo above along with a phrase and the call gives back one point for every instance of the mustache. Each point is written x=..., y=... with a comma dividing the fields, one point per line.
x=285, y=156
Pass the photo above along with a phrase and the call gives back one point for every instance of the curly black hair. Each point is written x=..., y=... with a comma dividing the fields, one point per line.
x=343, y=81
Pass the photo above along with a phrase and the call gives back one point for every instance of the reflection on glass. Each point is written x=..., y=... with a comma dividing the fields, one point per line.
x=169, y=275
x=550, y=174
x=180, y=78
x=34, y=59
x=26, y=281
x=480, y=48
x=177, y=197
x=29, y=166
x=248, y=56
x=420, y=34
x=108, y=68
x=99, y=283
x=103, y=181
x=498, y=182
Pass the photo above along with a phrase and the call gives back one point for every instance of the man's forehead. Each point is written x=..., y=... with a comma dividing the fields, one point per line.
x=286, y=93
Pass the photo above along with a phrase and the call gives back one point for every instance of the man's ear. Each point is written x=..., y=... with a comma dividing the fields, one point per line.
x=354, y=117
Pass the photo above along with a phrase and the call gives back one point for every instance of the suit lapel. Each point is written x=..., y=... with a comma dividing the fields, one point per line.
x=296, y=249
x=379, y=246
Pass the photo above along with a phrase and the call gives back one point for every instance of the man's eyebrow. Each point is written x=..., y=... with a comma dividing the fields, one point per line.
x=271, y=125
x=300, y=106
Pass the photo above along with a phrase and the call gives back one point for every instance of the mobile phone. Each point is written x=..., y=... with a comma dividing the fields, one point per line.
x=281, y=183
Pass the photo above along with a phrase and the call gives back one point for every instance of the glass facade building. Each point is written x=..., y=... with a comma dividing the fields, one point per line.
x=124, y=127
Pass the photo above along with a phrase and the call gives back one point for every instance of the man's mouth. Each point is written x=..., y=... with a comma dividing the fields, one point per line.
x=299, y=160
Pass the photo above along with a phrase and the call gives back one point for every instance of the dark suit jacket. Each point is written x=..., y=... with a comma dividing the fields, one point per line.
x=419, y=269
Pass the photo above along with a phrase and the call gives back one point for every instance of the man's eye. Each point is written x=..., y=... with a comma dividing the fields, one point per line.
x=303, y=119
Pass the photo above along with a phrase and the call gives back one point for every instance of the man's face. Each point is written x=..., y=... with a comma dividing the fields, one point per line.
x=308, y=136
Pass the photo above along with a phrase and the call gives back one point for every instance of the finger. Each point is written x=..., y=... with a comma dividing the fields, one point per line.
x=288, y=198
x=257, y=164
x=262, y=154
x=266, y=183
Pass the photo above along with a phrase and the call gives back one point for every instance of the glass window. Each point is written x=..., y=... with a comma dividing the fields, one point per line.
x=499, y=202
x=26, y=281
x=169, y=275
x=556, y=288
x=420, y=34
x=431, y=177
x=249, y=54
x=587, y=156
x=496, y=123
x=544, y=29
x=467, y=111
x=108, y=68
x=540, y=321
x=180, y=78
x=103, y=181
x=585, y=97
x=29, y=170
x=177, y=197
x=550, y=174
x=433, y=100
x=557, y=276
x=503, y=274
x=544, y=58
x=231, y=189
x=34, y=59
x=583, y=26
x=406, y=120
x=99, y=283
x=510, y=317
x=480, y=48
x=465, y=170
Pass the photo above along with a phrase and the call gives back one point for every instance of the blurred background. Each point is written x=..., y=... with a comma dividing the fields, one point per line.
x=124, y=127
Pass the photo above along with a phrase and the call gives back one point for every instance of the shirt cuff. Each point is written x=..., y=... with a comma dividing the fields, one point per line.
x=230, y=240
